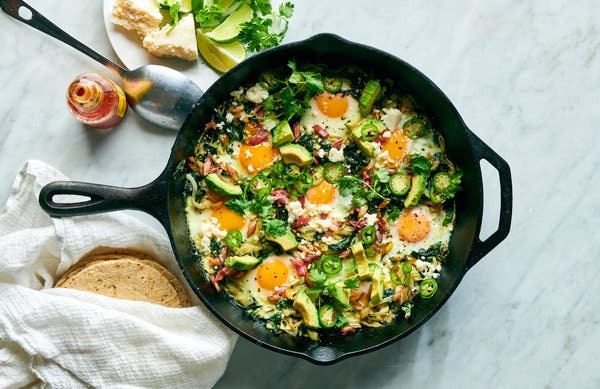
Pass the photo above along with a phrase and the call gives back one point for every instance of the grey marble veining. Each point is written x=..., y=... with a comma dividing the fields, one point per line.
x=525, y=77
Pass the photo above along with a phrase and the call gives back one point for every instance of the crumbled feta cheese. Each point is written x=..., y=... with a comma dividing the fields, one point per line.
x=321, y=153
x=387, y=134
x=229, y=117
x=371, y=219
x=207, y=231
x=391, y=118
x=427, y=270
x=220, y=125
x=257, y=94
x=336, y=155
x=295, y=210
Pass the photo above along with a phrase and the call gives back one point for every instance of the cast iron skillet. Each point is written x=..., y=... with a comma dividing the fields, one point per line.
x=162, y=198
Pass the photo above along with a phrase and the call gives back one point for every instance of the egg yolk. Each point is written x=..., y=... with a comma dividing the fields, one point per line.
x=271, y=274
x=228, y=219
x=413, y=225
x=321, y=194
x=256, y=158
x=331, y=105
x=396, y=146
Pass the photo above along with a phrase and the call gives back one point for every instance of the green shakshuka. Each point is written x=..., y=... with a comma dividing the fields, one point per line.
x=321, y=200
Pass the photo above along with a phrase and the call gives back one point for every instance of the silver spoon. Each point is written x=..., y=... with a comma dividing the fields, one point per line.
x=159, y=94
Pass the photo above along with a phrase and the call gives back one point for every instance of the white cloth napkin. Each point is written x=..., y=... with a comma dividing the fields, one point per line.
x=64, y=338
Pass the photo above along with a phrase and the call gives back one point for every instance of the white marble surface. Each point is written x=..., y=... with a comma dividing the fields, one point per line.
x=526, y=78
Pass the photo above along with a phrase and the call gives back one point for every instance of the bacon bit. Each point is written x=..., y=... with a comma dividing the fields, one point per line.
x=379, y=236
x=316, y=161
x=338, y=144
x=301, y=221
x=358, y=225
x=258, y=138
x=309, y=258
x=280, y=290
x=347, y=329
x=384, y=204
x=380, y=139
x=344, y=254
x=215, y=283
x=324, y=216
x=215, y=169
x=381, y=224
x=210, y=126
x=259, y=111
x=232, y=172
x=223, y=272
x=297, y=131
x=366, y=177
x=207, y=166
x=299, y=265
x=328, y=234
x=236, y=111
x=281, y=196
x=251, y=228
x=320, y=131
x=301, y=200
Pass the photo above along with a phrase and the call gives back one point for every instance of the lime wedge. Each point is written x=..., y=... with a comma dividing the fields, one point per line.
x=185, y=7
x=227, y=31
x=220, y=56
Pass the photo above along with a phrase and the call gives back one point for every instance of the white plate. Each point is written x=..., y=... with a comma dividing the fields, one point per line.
x=129, y=49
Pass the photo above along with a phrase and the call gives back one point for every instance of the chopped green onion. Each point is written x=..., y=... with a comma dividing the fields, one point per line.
x=234, y=238
x=332, y=84
x=370, y=252
x=327, y=316
x=415, y=128
x=400, y=184
x=317, y=175
x=369, y=132
x=333, y=171
x=331, y=264
x=368, y=234
x=428, y=287
x=259, y=182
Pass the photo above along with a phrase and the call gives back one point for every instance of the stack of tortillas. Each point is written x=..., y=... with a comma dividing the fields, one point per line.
x=126, y=274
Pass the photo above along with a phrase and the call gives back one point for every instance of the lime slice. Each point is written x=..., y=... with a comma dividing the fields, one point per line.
x=186, y=5
x=227, y=31
x=220, y=56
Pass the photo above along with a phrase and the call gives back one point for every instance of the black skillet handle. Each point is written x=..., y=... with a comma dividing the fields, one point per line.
x=481, y=248
x=151, y=198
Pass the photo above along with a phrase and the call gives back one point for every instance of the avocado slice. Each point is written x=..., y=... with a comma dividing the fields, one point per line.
x=365, y=146
x=358, y=251
x=417, y=188
x=368, y=97
x=307, y=308
x=282, y=134
x=376, y=284
x=294, y=153
x=339, y=294
x=287, y=241
x=242, y=262
x=218, y=185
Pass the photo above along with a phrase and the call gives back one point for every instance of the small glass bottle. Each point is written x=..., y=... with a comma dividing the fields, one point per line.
x=96, y=101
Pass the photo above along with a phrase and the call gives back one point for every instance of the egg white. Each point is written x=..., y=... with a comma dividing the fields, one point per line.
x=438, y=233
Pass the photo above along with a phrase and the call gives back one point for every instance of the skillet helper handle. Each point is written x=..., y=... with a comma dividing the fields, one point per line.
x=39, y=22
x=481, y=248
x=151, y=198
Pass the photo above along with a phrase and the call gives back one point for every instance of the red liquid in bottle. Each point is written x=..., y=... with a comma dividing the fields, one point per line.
x=96, y=101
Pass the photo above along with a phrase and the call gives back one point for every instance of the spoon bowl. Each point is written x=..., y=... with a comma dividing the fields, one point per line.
x=158, y=94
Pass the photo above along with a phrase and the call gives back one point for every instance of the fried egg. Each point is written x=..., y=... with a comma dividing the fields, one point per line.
x=417, y=228
x=256, y=158
x=262, y=282
x=333, y=112
x=326, y=207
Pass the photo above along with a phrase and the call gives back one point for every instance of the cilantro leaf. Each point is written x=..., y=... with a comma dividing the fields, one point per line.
x=318, y=278
x=173, y=7
x=274, y=227
x=420, y=165
x=407, y=308
x=312, y=81
x=262, y=6
x=210, y=16
x=381, y=175
x=286, y=9
x=239, y=204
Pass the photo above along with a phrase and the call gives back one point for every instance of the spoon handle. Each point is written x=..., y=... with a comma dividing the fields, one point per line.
x=25, y=13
